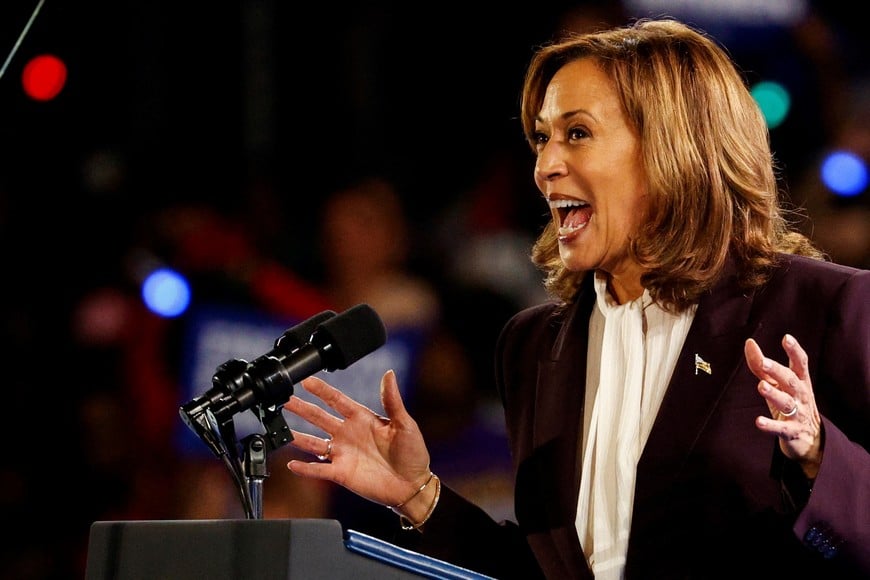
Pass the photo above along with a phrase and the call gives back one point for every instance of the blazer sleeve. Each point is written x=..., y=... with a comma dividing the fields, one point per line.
x=459, y=531
x=464, y=534
x=835, y=521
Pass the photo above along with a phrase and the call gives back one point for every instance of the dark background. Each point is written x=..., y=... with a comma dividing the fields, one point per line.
x=261, y=109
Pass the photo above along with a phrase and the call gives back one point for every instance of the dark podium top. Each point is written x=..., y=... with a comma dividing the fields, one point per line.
x=252, y=549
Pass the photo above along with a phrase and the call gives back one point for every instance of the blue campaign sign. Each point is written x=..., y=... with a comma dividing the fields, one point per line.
x=215, y=335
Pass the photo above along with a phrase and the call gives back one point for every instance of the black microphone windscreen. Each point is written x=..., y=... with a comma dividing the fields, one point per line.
x=299, y=335
x=351, y=335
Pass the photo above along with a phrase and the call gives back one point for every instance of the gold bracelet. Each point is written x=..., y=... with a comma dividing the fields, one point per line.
x=416, y=493
x=408, y=524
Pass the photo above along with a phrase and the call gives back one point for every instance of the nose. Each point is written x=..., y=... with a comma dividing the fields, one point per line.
x=549, y=164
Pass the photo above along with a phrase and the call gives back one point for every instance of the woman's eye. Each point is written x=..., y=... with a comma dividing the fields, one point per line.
x=577, y=133
x=538, y=141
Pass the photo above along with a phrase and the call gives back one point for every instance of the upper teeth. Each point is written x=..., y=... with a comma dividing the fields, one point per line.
x=561, y=203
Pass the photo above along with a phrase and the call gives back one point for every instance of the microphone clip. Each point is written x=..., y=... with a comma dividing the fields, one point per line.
x=324, y=342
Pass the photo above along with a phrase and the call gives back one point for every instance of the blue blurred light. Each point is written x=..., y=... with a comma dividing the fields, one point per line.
x=844, y=173
x=166, y=292
x=773, y=100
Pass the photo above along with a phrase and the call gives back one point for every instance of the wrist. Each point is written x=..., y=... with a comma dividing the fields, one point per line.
x=417, y=509
x=413, y=496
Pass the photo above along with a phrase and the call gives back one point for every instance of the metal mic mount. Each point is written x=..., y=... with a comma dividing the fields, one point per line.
x=324, y=342
x=218, y=432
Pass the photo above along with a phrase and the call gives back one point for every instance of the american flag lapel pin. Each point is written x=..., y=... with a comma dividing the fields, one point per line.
x=702, y=365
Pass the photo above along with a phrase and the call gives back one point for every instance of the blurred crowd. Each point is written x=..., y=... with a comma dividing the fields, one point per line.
x=94, y=380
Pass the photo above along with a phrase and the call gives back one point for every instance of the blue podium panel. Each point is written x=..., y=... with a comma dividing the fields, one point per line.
x=408, y=559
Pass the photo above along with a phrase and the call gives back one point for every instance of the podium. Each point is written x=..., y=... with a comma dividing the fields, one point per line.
x=299, y=549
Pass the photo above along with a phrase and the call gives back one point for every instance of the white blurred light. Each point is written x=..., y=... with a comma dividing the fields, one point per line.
x=753, y=12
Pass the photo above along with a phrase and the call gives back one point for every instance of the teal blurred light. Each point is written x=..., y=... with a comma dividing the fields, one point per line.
x=773, y=100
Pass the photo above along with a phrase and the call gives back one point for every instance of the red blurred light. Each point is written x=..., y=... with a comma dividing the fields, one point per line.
x=44, y=77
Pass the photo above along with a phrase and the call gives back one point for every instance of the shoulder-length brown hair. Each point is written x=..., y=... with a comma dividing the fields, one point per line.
x=706, y=153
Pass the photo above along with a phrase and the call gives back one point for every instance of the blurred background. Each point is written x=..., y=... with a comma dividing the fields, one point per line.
x=180, y=183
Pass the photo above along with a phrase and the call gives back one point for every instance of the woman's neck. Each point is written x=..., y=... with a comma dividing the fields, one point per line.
x=624, y=288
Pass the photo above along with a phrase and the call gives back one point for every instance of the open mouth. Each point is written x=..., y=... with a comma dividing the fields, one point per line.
x=573, y=215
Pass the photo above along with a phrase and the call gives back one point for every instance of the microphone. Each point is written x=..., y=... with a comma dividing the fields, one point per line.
x=335, y=344
x=229, y=376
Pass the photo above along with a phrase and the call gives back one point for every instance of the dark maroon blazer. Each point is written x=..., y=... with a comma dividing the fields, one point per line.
x=714, y=496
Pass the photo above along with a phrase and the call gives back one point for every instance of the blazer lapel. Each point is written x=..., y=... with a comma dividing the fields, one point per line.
x=557, y=427
x=561, y=391
x=711, y=354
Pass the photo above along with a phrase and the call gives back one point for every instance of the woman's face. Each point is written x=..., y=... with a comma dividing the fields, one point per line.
x=589, y=169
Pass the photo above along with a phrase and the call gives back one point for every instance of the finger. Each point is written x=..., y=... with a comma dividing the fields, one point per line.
x=308, y=443
x=312, y=469
x=785, y=430
x=754, y=356
x=391, y=397
x=756, y=361
x=334, y=398
x=797, y=357
x=312, y=413
x=779, y=375
x=779, y=402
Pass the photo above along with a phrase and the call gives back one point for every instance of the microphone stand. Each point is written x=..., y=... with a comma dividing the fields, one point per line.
x=236, y=466
x=325, y=341
x=218, y=431
x=257, y=446
x=256, y=472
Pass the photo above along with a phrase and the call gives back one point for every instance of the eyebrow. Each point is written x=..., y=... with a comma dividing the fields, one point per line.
x=567, y=115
